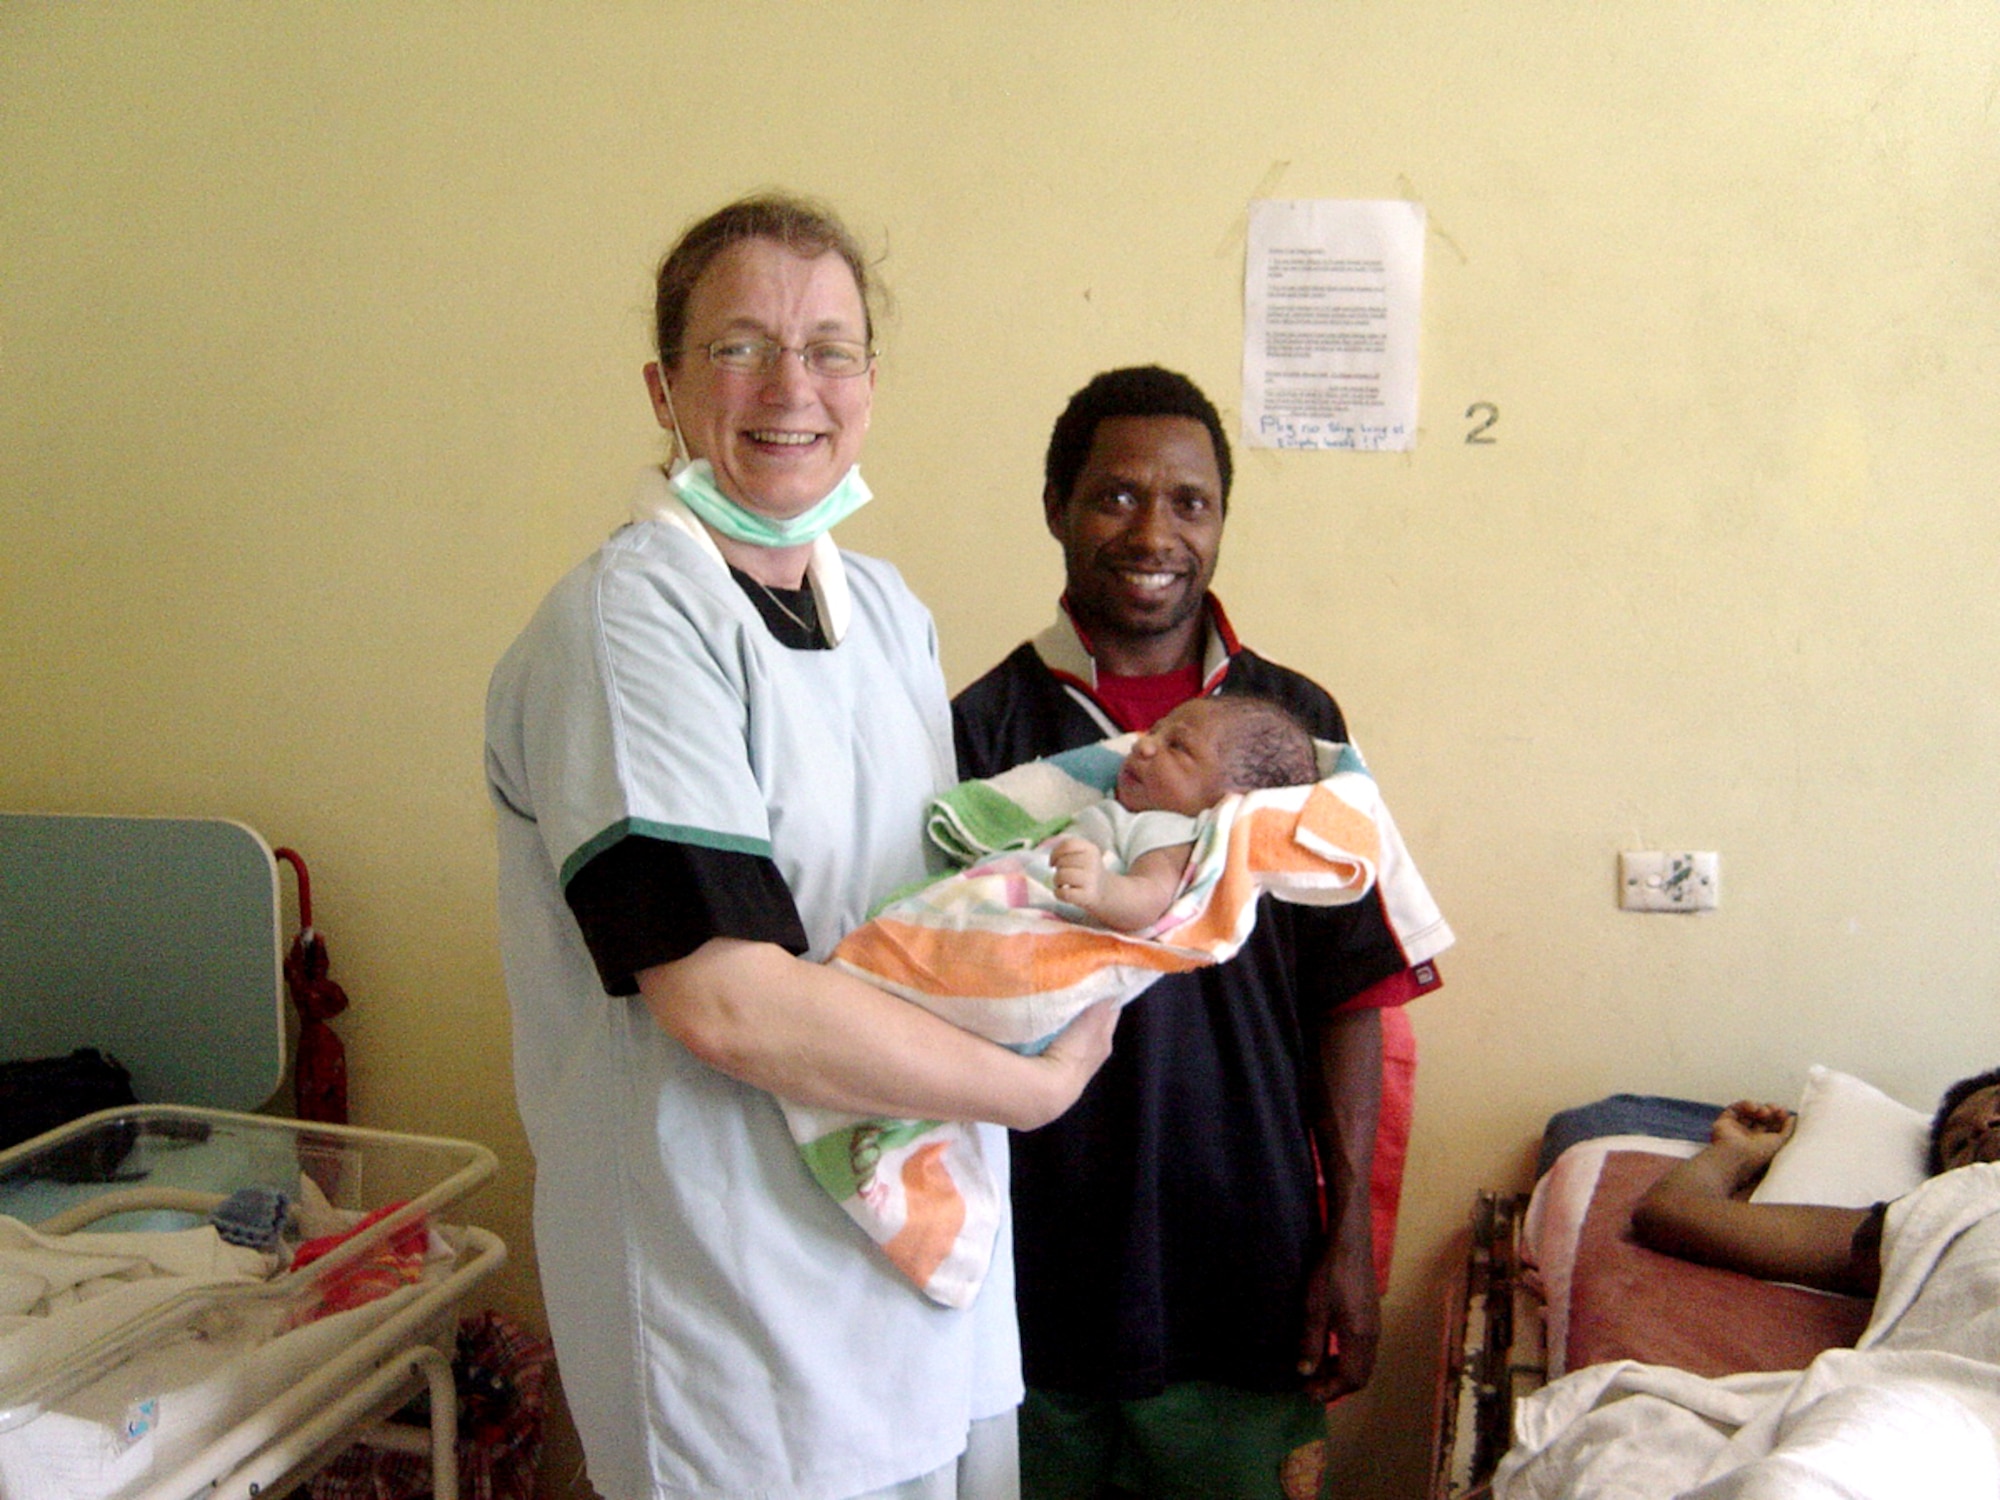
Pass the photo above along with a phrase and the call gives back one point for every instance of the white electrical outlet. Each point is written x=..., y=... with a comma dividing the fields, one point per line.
x=1649, y=880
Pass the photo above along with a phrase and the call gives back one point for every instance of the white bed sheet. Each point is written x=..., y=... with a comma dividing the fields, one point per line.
x=160, y=1405
x=1911, y=1413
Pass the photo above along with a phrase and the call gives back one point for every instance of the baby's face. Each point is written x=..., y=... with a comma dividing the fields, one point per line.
x=1178, y=765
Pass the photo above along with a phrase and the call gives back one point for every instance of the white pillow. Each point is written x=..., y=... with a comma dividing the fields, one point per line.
x=1854, y=1146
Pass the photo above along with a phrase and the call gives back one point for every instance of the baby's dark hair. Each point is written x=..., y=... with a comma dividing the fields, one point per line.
x=1954, y=1096
x=1265, y=746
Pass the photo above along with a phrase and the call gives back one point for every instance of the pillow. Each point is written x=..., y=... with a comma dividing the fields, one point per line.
x=1854, y=1146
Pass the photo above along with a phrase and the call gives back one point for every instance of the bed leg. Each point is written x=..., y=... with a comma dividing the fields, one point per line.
x=444, y=1421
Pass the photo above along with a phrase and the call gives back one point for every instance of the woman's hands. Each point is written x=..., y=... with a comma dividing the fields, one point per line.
x=1074, y=1057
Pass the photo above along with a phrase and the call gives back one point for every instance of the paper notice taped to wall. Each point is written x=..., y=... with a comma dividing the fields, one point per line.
x=1331, y=299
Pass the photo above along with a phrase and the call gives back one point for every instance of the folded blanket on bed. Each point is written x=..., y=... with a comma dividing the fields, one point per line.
x=60, y=1295
x=992, y=949
x=177, y=1383
x=1911, y=1413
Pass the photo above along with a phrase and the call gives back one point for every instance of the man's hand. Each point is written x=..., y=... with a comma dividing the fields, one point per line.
x=1342, y=1301
x=1752, y=1133
x=1079, y=871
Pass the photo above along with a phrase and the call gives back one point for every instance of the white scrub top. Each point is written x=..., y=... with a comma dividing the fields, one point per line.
x=723, y=1328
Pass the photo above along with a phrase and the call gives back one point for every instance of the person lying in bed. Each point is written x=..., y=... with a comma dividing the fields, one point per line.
x=1696, y=1210
x=1123, y=858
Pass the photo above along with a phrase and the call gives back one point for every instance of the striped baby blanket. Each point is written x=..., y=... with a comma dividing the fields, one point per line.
x=992, y=949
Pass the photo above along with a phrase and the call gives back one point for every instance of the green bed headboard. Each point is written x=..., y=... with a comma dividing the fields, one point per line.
x=153, y=939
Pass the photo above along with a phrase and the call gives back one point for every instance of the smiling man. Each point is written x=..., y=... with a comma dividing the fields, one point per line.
x=1177, y=1281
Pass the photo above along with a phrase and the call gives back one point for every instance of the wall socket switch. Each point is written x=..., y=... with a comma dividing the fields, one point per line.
x=1649, y=880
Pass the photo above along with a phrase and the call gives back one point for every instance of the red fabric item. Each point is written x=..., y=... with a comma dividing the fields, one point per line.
x=1398, y=989
x=1392, y=1133
x=1630, y=1302
x=1138, y=703
x=319, y=1080
x=500, y=1370
x=410, y=1239
x=319, y=1077
x=397, y=1262
x=1394, y=1114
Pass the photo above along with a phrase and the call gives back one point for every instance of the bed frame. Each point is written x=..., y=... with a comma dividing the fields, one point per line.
x=1493, y=1352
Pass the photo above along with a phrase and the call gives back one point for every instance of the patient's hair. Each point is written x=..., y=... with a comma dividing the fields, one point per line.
x=1136, y=391
x=1264, y=746
x=1954, y=1096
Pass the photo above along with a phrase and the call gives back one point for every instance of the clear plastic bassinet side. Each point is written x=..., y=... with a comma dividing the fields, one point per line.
x=121, y=1176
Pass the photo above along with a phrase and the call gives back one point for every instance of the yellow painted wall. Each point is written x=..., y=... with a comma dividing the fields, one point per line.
x=320, y=336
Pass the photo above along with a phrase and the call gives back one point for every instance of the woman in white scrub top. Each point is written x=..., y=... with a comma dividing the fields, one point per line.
x=710, y=753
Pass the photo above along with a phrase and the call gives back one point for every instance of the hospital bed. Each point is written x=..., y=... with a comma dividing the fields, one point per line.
x=1553, y=1281
x=197, y=1299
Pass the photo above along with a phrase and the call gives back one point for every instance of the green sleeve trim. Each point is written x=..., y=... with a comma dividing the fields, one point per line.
x=671, y=833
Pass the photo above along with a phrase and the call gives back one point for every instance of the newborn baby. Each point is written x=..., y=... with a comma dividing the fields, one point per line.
x=1122, y=860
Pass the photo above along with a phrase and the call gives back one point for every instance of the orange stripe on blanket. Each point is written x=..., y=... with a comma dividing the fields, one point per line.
x=967, y=962
x=1236, y=888
x=1275, y=847
x=1340, y=824
x=936, y=1213
x=1263, y=850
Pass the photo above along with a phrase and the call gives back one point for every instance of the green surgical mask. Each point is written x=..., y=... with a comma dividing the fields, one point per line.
x=695, y=484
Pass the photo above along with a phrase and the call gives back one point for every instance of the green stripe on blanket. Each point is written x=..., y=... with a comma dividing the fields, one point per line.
x=843, y=1161
x=1019, y=808
x=982, y=820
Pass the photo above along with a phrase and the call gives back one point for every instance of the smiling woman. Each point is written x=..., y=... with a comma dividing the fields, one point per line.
x=710, y=753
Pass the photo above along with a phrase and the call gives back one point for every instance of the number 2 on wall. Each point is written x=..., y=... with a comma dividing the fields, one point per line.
x=1483, y=433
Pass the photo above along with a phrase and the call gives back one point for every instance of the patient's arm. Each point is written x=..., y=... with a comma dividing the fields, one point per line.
x=1694, y=1211
x=1129, y=902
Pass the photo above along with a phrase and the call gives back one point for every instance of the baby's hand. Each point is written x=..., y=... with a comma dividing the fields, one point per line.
x=1079, y=870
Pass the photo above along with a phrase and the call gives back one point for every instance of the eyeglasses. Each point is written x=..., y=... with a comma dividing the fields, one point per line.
x=831, y=359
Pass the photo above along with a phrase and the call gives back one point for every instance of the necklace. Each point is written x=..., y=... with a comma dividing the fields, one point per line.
x=809, y=623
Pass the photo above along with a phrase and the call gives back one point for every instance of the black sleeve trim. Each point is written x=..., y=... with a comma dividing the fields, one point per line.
x=1864, y=1251
x=647, y=901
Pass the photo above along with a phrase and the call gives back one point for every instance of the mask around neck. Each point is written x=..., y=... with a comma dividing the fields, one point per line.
x=695, y=484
